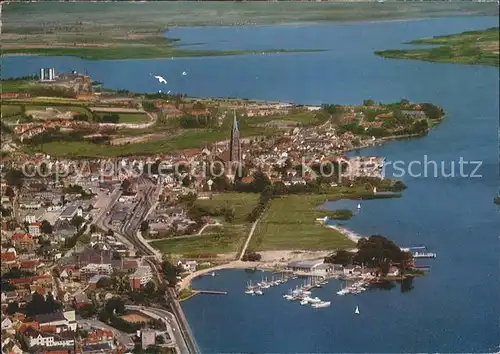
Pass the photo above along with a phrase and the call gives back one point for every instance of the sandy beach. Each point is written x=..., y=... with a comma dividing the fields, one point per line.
x=354, y=237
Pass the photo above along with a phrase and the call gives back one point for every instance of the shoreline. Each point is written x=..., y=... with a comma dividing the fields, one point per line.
x=351, y=235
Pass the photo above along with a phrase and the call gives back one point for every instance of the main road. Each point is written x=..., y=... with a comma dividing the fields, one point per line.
x=147, y=195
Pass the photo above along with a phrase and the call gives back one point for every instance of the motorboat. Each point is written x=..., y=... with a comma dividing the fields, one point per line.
x=304, y=302
x=249, y=292
x=259, y=292
x=321, y=304
x=315, y=300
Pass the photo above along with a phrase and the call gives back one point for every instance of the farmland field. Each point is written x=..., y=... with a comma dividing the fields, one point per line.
x=290, y=223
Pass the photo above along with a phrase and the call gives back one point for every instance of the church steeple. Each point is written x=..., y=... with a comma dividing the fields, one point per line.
x=235, y=144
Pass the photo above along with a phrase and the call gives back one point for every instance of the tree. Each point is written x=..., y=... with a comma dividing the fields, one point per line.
x=12, y=308
x=77, y=221
x=144, y=226
x=186, y=181
x=115, y=305
x=104, y=282
x=229, y=214
x=169, y=273
x=420, y=126
x=432, y=111
x=368, y=102
x=251, y=257
x=341, y=257
x=14, y=178
x=87, y=310
x=9, y=192
x=46, y=227
x=81, y=117
x=50, y=304
x=125, y=185
x=36, y=305
x=150, y=288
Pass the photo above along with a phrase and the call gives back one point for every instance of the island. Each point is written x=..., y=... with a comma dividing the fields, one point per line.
x=471, y=47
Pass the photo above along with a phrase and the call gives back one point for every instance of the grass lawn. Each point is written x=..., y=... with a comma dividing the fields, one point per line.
x=128, y=117
x=230, y=239
x=303, y=118
x=10, y=110
x=15, y=85
x=290, y=223
x=243, y=203
x=188, y=138
x=60, y=108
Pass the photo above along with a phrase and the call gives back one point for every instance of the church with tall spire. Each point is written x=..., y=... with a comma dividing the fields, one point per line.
x=235, y=144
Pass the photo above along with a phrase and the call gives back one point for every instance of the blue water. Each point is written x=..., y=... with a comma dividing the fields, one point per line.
x=453, y=309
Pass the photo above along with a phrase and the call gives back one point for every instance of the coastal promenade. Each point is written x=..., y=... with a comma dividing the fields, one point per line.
x=185, y=282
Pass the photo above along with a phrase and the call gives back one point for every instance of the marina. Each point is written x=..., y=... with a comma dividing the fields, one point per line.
x=301, y=294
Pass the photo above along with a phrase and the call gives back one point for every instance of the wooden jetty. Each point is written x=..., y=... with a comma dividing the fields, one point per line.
x=212, y=292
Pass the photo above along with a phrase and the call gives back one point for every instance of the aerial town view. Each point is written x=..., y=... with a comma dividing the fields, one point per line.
x=250, y=177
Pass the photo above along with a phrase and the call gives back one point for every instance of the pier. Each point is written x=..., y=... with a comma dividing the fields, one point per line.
x=213, y=292
x=424, y=255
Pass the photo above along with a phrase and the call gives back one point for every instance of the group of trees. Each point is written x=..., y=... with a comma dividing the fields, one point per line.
x=41, y=305
x=113, y=309
x=55, y=134
x=375, y=252
x=170, y=272
x=14, y=178
x=70, y=242
x=108, y=118
x=197, y=121
x=251, y=256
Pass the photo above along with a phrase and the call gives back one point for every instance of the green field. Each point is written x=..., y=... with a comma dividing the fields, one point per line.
x=60, y=108
x=243, y=203
x=290, y=224
x=303, y=118
x=10, y=110
x=15, y=85
x=128, y=117
x=230, y=239
x=136, y=51
x=183, y=139
x=11, y=113
x=473, y=47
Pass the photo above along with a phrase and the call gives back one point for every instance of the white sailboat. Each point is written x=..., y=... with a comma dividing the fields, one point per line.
x=359, y=206
x=357, y=310
x=304, y=302
x=249, y=290
x=259, y=292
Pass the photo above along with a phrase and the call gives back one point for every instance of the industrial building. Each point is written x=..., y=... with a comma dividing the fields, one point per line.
x=47, y=74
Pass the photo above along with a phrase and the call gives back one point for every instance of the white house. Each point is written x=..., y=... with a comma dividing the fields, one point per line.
x=30, y=218
x=6, y=323
x=393, y=271
x=63, y=321
x=34, y=337
x=34, y=229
